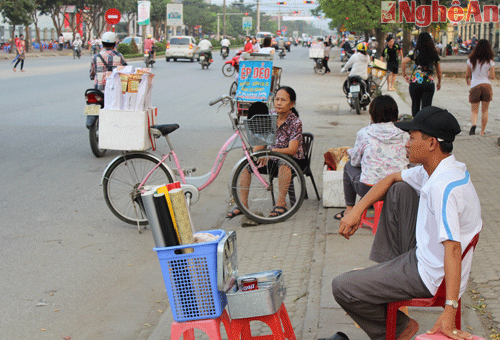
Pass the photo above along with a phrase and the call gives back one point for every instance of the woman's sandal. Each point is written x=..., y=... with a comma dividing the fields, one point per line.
x=233, y=213
x=339, y=215
x=278, y=211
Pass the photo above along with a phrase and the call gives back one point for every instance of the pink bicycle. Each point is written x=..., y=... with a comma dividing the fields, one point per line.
x=259, y=181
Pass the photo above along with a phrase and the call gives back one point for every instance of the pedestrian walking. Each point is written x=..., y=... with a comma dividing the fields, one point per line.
x=425, y=68
x=328, y=47
x=392, y=53
x=21, y=49
x=480, y=71
x=61, y=42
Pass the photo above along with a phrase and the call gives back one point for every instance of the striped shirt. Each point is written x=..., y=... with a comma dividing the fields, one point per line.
x=98, y=69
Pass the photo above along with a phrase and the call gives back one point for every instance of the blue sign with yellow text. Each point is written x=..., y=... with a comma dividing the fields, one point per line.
x=254, y=83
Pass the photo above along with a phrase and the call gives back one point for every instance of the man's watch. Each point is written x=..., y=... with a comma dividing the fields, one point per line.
x=453, y=303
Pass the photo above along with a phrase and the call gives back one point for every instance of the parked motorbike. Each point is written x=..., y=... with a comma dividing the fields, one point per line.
x=224, y=52
x=77, y=53
x=205, y=60
x=356, y=93
x=232, y=66
x=95, y=101
x=148, y=58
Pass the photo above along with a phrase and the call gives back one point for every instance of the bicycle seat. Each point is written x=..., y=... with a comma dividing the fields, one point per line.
x=165, y=129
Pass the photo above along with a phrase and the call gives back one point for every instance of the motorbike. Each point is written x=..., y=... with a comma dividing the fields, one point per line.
x=373, y=54
x=318, y=65
x=356, y=91
x=344, y=55
x=148, y=58
x=281, y=53
x=464, y=49
x=95, y=101
x=224, y=52
x=77, y=53
x=232, y=66
x=205, y=60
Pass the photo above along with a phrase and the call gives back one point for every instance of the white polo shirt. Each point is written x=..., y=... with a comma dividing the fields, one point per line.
x=448, y=209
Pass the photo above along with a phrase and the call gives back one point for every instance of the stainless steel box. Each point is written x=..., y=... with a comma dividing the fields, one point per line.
x=265, y=300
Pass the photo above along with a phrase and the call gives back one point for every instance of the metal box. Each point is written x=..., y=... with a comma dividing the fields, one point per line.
x=265, y=300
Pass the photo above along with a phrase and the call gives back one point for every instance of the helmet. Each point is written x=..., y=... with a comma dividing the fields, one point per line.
x=149, y=36
x=361, y=47
x=373, y=38
x=108, y=37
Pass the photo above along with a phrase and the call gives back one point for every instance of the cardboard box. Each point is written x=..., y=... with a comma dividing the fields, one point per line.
x=126, y=130
x=333, y=188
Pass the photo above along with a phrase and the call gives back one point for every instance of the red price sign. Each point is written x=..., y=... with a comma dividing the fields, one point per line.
x=112, y=16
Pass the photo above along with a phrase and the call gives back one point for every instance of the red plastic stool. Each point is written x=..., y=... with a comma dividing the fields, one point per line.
x=372, y=222
x=241, y=327
x=211, y=327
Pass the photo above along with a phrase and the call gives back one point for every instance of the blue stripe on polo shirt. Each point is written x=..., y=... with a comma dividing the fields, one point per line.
x=447, y=192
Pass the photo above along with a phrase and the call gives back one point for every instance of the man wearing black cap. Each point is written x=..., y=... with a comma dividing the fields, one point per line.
x=431, y=212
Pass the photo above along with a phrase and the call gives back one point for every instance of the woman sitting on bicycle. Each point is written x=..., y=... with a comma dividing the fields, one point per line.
x=288, y=140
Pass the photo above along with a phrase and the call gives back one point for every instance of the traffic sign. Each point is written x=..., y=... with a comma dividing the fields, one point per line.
x=112, y=16
x=278, y=32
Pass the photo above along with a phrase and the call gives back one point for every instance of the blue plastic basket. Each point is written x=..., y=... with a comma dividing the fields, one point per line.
x=191, y=280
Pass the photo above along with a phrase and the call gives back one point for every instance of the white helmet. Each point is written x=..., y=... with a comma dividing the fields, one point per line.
x=373, y=38
x=108, y=37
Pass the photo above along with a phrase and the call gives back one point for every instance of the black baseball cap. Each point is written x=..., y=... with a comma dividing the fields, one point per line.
x=435, y=122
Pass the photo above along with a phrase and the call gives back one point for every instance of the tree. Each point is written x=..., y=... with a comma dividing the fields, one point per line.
x=158, y=14
x=128, y=9
x=17, y=12
x=197, y=12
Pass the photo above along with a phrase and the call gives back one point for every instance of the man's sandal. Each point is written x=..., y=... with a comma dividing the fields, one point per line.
x=278, y=211
x=233, y=213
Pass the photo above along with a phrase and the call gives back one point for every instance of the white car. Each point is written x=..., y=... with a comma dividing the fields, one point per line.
x=261, y=35
x=182, y=47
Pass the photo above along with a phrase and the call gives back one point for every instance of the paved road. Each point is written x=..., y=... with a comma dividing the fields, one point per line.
x=96, y=276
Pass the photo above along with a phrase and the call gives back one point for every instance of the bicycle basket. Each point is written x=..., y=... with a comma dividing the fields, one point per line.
x=261, y=129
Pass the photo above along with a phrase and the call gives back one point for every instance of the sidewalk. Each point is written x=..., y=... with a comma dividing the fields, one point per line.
x=311, y=253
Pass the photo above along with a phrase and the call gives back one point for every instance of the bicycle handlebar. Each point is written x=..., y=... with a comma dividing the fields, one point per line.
x=225, y=99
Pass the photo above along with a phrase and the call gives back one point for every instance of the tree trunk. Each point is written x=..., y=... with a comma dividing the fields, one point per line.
x=35, y=21
x=12, y=43
x=28, y=38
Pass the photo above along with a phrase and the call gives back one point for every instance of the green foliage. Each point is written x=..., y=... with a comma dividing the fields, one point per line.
x=123, y=48
x=133, y=47
x=363, y=15
x=17, y=12
x=160, y=46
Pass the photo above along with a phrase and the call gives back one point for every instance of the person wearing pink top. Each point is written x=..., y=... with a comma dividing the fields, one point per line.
x=379, y=151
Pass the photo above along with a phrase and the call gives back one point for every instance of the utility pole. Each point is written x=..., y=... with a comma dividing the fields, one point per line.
x=257, y=28
x=224, y=18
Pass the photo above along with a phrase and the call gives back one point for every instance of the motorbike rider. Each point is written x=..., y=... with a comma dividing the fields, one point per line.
x=281, y=45
x=248, y=44
x=359, y=62
x=347, y=47
x=205, y=46
x=373, y=44
x=149, y=46
x=106, y=60
x=78, y=44
x=94, y=45
x=225, y=43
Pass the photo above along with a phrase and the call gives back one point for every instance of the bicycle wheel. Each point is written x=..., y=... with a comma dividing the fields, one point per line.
x=228, y=70
x=255, y=200
x=122, y=179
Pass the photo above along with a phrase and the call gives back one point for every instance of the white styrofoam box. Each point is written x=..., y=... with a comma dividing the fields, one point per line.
x=333, y=188
x=316, y=53
x=126, y=130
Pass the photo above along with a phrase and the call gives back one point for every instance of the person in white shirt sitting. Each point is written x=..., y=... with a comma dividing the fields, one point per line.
x=205, y=46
